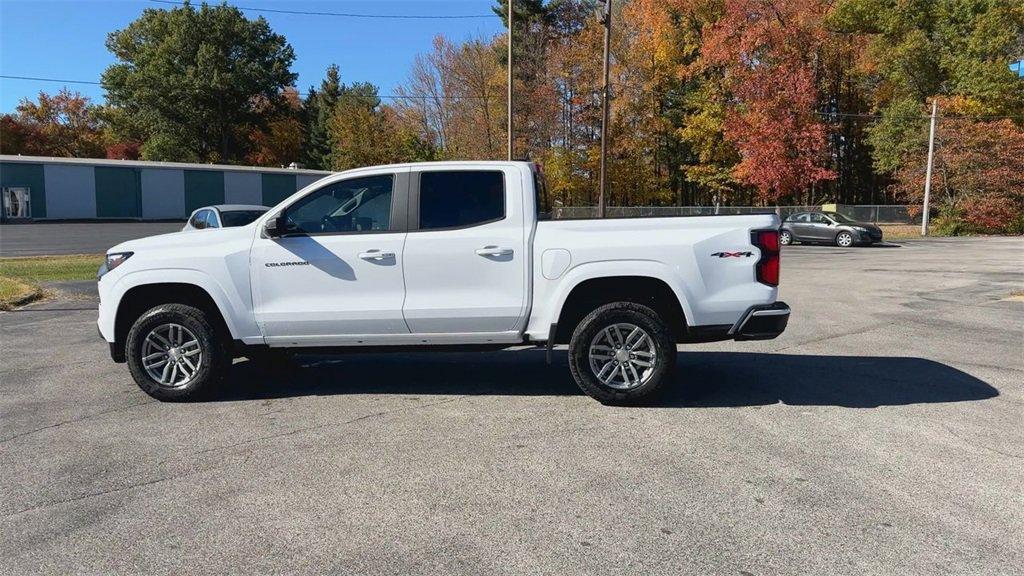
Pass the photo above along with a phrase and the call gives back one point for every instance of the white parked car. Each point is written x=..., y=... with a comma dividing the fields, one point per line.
x=440, y=254
x=223, y=216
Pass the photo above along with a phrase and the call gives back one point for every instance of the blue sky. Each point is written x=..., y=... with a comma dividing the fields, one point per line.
x=65, y=39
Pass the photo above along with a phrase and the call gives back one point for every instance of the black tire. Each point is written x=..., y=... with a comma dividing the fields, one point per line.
x=622, y=313
x=214, y=354
x=841, y=240
x=785, y=237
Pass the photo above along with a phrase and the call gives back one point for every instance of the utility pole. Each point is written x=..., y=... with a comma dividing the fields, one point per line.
x=511, y=152
x=928, y=171
x=607, y=21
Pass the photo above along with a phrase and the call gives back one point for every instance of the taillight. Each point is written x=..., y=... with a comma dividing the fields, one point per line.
x=768, y=265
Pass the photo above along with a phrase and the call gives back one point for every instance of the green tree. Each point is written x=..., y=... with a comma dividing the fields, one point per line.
x=195, y=81
x=318, y=108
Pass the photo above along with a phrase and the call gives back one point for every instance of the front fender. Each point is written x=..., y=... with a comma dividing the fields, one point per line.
x=234, y=307
x=550, y=295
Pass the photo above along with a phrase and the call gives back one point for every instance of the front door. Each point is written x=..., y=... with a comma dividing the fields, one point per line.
x=335, y=277
x=466, y=259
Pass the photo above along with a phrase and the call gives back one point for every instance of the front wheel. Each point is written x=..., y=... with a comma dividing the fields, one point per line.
x=844, y=239
x=174, y=353
x=622, y=353
x=785, y=238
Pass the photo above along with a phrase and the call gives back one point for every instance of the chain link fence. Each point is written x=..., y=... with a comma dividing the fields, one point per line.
x=875, y=213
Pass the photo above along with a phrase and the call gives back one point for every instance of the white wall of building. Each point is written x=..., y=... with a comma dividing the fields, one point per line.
x=163, y=193
x=70, y=191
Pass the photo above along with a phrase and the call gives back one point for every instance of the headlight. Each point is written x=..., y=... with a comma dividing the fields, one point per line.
x=114, y=260
x=860, y=229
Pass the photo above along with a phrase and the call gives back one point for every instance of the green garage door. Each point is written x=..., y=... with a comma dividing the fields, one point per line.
x=18, y=175
x=203, y=188
x=118, y=193
x=277, y=187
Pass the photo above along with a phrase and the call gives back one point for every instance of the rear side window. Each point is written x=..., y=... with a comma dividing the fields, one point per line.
x=459, y=199
x=239, y=217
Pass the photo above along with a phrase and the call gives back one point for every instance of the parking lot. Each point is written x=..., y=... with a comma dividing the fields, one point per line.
x=883, y=433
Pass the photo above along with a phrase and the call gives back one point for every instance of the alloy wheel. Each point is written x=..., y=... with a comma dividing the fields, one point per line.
x=171, y=355
x=623, y=356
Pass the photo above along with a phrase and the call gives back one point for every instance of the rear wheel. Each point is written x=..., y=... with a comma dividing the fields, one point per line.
x=785, y=238
x=622, y=353
x=174, y=353
x=844, y=239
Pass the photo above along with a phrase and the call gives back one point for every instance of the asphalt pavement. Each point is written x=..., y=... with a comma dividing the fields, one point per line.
x=881, y=434
x=53, y=238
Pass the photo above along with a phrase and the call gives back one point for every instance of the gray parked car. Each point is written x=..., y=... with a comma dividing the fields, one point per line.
x=223, y=216
x=828, y=227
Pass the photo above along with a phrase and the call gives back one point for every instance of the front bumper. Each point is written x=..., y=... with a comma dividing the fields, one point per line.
x=761, y=322
x=869, y=237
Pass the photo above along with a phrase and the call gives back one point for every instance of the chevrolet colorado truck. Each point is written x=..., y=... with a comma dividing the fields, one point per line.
x=439, y=255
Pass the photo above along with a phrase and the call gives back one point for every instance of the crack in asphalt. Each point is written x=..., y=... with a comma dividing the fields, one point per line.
x=75, y=420
x=329, y=424
x=193, y=472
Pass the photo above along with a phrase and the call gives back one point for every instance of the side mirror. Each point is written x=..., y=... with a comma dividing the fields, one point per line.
x=276, y=226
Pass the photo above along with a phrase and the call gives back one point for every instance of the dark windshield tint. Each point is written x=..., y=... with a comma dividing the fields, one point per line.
x=461, y=198
x=239, y=217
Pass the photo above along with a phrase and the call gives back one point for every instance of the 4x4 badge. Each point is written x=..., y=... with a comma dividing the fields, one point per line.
x=733, y=254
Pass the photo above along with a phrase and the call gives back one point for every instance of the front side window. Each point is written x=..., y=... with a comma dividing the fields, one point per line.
x=356, y=205
x=458, y=199
x=211, y=219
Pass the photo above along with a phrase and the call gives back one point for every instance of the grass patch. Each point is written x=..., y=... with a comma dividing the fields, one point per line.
x=15, y=292
x=19, y=277
x=51, y=268
x=900, y=231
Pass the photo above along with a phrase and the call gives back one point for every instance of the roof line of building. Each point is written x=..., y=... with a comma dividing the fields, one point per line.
x=155, y=165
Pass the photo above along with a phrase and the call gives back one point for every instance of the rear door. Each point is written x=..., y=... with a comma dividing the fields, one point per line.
x=465, y=258
x=800, y=225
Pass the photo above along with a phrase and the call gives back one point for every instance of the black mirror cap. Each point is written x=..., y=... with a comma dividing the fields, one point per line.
x=275, y=226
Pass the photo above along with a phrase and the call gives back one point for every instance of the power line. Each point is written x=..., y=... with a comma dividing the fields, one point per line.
x=48, y=79
x=351, y=15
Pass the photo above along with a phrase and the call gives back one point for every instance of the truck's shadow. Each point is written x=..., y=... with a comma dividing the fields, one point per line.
x=703, y=379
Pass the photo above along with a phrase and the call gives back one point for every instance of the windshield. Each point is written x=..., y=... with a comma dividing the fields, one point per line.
x=239, y=217
x=839, y=217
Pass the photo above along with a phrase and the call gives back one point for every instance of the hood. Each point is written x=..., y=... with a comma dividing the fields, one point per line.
x=185, y=239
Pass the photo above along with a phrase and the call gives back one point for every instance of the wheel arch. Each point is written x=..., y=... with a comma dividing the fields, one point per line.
x=142, y=297
x=591, y=292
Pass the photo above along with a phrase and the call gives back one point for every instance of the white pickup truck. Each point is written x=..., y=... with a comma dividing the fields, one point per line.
x=439, y=255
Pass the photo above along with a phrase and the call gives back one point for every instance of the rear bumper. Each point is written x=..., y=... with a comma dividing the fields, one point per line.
x=761, y=322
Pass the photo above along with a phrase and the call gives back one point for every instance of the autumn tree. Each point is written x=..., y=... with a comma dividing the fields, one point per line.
x=64, y=124
x=769, y=52
x=364, y=132
x=280, y=141
x=978, y=176
x=187, y=78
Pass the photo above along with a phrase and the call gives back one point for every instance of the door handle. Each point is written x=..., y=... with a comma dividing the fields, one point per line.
x=376, y=255
x=494, y=251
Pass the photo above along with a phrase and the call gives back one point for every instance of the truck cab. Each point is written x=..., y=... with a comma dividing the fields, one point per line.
x=439, y=254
